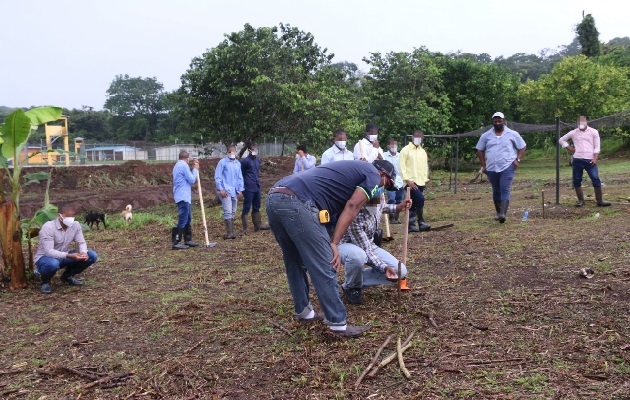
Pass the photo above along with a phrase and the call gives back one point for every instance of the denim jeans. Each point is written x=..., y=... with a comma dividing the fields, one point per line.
x=305, y=248
x=581, y=164
x=50, y=265
x=417, y=198
x=251, y=200
x=353, y=258
x=184, y=215
x=501, y=183
x=229, y=206
x=395, y=196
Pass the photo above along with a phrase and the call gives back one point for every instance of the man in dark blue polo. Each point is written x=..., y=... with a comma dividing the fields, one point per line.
x=295, y=208
x=250, y=167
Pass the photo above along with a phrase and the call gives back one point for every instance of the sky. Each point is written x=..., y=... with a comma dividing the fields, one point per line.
x=67, y=52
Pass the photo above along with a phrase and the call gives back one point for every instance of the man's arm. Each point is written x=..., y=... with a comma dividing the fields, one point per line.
x=309, y=162
x=482, y=159
x=47, y=242
x=564, y=142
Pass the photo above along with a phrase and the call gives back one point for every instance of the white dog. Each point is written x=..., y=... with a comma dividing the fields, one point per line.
x=126, y=214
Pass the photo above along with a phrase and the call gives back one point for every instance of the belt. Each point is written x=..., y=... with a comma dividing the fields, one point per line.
x=283, y=190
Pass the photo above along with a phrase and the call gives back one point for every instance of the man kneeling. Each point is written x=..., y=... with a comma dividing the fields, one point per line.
x=52, y=254
x=358, y=249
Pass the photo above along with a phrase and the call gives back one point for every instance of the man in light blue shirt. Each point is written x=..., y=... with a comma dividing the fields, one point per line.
x=500, y=151
x=396, y=196
x=338, y=152
x=303, y=160
x=183, y=179
x=230, y=186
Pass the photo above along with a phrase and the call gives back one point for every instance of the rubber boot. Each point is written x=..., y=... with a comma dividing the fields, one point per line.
x=580, y=196
x=504, y=207
x=176, y=236
x=422, y=226
x=599, y=198
x=244, y=222
x=394, y=220
x=229, y=229
x=258, y=226
x=46, y=288
x=378, y=237
x=188, y=237
x=412, y=222
x=497, y=207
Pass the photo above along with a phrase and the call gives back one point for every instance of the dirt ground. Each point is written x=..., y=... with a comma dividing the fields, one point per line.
x=497, y=311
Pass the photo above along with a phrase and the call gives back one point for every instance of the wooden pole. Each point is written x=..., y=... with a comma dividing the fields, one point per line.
x=543, y=204
x=404, y=249
x=203, y=213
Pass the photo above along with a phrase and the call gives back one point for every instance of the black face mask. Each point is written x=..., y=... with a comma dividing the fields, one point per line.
x=498, y=127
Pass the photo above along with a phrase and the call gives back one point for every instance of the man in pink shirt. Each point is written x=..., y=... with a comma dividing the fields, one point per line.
x=585, y=152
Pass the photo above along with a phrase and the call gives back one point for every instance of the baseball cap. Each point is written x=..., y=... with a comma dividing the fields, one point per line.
x=498, y=114
x=386, y=167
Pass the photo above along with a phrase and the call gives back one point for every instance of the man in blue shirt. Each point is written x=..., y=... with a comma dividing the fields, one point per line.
x=394, y=196
x=229, y=181
x=338, y=152
x=294, y=207
x=183, y=179
x=250, y=167
x=303, y=160
x=500, y=151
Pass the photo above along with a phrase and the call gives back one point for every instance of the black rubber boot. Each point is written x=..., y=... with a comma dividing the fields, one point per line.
x=395, y=220
x=580, y=195
x=258, y=226
x=188, y=237
x=229, y=229
x=504, y=207
x=412, y=222
x=176, y=235
x=244, y=222
x=46, y=288
x=599, y=198
x=423, y=227
x=378, y=237
x=497, y=207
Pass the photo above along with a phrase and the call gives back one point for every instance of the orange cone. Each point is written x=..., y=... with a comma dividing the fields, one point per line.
x=403, y=285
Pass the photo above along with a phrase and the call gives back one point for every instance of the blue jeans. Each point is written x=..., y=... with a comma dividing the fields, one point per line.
x=395, y=196
x=229, y=206
x=251, y=200
x=581, y=164
x=501, y=183
x=305, y=248
x=50, y=265
x=184, y=215
x=353, y=259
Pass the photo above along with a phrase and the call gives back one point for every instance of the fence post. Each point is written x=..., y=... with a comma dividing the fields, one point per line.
x=557, y=160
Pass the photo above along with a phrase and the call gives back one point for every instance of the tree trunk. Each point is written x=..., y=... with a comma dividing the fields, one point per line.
x=11, y=241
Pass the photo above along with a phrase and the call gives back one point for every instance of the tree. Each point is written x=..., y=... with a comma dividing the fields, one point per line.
x=588, y=36
x=576, y=86
x=616, y=52
x=135, y=104
x=405, y=92
x=90, y=124
x=260, y=82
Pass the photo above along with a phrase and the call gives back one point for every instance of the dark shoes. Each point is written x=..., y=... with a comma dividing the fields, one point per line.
x=71, y=280
x=354, y=295
x=45, y=288
x=423, y=227
x=352, y=331
x=317, y=317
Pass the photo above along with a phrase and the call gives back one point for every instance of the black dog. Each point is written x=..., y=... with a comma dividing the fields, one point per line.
x=91, y=218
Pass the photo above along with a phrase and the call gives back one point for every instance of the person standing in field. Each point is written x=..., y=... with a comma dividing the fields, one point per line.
x=228, y=178
x=364, y=150
x=414, y=168
x=250, y=167
x=395, y=196
x=183, y=179
x=338, y=152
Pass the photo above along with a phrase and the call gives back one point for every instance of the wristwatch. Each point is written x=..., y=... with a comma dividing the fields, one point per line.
x=518, y=160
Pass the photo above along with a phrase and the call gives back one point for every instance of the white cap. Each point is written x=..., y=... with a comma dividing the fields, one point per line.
x=498, y=114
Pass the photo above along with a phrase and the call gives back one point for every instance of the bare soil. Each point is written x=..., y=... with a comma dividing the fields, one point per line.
x=499, y=311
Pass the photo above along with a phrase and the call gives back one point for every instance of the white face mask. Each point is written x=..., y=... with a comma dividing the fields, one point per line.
x=372, y=138
x=582, y=127
x=417, y=141
x=254, y=152
x=232, y=156
x=341, y=144
x=393, y=149
x=67, y=221
x=373, y=210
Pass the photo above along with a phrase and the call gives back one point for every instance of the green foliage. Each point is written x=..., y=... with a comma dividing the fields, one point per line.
x=588, y=36
x=576, y=86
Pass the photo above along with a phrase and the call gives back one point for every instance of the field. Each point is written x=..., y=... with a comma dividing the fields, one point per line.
x=498, y=311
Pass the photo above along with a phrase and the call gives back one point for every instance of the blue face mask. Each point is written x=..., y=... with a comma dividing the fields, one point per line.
x=377, y=193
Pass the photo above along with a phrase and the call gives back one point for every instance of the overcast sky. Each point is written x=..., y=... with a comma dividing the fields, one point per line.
x=66, y=53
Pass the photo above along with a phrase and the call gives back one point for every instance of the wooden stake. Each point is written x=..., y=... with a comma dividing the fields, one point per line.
x=543, y=204
x=401, y=362
x=203, y=212
x=369, y=367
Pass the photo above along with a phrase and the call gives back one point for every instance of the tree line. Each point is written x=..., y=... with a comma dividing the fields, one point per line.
x=277, y=83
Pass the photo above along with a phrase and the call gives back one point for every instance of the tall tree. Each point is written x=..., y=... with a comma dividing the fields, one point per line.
x=135, y=104
x=588, y=36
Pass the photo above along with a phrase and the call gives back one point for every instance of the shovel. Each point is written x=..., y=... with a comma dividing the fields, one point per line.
x=203, y=214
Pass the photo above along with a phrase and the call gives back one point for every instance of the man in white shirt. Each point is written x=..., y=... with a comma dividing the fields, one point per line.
x=364, y=149
x=338, y=152
x=395, y=196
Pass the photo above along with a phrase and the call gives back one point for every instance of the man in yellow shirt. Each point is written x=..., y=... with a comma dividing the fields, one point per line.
x=414, y=168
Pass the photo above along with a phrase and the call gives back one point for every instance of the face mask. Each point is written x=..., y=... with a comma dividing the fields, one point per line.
x=341, y=144
x=393, y=149
x=254, y=153
x=417, y=141
x=582, y=127
x=378, y=193
x=232, y=156
x=498, y=127
x=373, y=210
x=67, y=221
x=372, y=138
